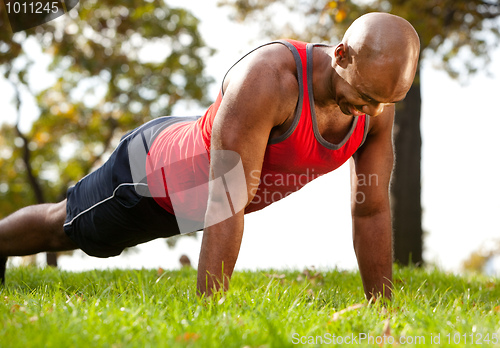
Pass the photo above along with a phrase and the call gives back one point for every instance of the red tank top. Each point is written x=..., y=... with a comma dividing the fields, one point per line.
x=301, y=154
x=292, y=160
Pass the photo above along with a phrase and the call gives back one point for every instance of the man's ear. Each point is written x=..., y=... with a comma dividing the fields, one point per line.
x=341, y=55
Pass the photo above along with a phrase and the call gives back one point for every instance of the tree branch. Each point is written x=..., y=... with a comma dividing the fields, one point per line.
x=32, y=179
x=106, y=144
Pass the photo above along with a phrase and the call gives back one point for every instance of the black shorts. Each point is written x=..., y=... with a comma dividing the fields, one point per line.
x=107, y=211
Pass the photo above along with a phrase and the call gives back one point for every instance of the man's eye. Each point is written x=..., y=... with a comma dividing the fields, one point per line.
x=366, y=99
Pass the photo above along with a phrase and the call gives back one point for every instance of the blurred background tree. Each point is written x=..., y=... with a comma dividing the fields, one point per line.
x=455, y=35
x=114, y=65
x=478, y=260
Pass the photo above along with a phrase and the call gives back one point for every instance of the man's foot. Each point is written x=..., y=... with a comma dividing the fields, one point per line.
x=3, y=265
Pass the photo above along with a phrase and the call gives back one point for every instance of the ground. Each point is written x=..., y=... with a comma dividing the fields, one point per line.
x=156, y=308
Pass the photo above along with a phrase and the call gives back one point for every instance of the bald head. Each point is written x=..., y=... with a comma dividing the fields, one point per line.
x=379, y=32
x=382, y=50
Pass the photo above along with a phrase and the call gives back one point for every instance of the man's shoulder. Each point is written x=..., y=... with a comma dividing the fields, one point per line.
x=270, y=69
x=281, y=59
x=267, y=62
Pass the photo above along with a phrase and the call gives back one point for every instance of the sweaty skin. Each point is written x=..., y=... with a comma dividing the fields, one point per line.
x=371, y=69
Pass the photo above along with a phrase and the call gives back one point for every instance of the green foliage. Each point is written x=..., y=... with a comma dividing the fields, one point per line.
x=117, y=64
x=453, y=31
x=51, y=308
x=448, y=28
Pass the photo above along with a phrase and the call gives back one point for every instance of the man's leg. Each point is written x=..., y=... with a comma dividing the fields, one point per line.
x=31, y=230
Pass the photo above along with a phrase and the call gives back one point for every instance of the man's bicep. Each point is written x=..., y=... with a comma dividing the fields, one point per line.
x=372, y=166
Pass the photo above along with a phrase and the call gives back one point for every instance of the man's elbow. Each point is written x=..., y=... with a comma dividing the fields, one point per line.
x=367, y=210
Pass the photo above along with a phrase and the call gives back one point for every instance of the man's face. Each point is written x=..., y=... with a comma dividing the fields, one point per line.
x=368, y=88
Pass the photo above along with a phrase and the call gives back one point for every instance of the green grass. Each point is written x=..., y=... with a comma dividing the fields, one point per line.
x=51, y=308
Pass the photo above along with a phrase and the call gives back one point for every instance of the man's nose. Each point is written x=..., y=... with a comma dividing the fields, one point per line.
x=374, y=109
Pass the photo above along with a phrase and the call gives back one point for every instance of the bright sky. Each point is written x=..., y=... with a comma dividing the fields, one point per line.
x=460, y=167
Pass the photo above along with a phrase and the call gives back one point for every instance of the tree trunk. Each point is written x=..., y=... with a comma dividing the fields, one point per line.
x=35, y=185
x=32, y=179
x=51, y=259
x=405, y=188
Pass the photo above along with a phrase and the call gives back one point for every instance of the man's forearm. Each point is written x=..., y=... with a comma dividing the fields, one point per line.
x=218, y=255
x=372, y=238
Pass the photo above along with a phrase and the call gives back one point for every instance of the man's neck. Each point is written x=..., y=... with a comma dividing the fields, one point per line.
x=323, y=74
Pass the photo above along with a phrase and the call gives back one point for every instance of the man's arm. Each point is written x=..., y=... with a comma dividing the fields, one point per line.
x=371, y=170
x=258, y=97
